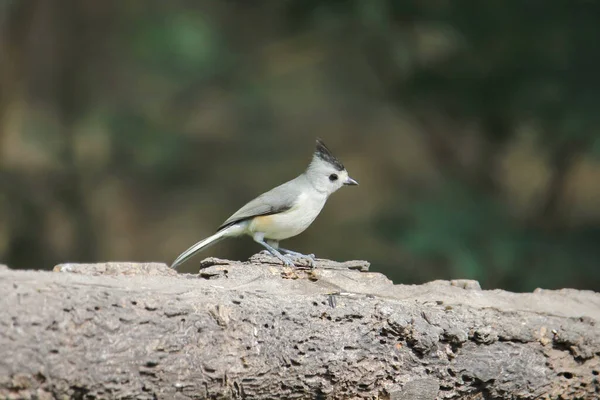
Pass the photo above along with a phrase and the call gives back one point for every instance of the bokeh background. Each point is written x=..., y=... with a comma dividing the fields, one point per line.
x=131, y=129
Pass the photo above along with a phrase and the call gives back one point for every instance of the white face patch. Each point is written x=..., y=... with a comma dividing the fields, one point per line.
x=324, y=176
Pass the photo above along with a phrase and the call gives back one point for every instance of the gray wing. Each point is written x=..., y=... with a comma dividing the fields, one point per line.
x=276, y=200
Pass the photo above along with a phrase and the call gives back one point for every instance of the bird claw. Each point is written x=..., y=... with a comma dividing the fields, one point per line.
x=308, y=258
x=288, y=262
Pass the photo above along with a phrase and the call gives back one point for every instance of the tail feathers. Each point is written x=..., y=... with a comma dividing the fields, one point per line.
x=186, y=255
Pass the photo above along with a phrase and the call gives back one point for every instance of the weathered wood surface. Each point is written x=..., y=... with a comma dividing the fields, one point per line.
x=257, y=330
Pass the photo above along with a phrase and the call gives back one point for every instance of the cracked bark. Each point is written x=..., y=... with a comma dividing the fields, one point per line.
x=257, y=330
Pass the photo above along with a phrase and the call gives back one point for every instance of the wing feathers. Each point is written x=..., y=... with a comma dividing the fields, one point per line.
x=277, y=200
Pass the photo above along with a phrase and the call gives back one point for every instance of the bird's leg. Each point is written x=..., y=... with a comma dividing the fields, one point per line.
x=296, y=254
x=310, y=258
x=259, y=238
x=293, y=254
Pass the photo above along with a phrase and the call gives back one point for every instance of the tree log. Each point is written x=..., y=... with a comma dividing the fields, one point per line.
x=257, y=330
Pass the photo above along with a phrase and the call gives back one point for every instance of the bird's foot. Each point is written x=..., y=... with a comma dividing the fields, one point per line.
x=295, y=254
x=287, y=261
x=310, y=260
x=293, y=259
x=307, y=258
x=284, y=259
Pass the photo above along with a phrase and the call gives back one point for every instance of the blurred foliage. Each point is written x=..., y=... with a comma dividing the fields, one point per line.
x=129, y=130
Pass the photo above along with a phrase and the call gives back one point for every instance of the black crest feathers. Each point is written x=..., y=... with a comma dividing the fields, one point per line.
x=324, y=154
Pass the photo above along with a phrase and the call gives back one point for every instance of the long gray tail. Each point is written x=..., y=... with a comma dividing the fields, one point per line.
x=217, y=237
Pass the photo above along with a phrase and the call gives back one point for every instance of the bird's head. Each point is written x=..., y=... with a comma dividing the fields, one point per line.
x=325, y=172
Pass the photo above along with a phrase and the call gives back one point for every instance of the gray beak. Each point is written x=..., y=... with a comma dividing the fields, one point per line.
x=350, y=182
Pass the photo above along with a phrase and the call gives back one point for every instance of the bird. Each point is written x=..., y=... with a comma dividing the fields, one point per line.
x=284, y=211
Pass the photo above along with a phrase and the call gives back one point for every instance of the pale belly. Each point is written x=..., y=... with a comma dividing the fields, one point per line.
x=289, y=223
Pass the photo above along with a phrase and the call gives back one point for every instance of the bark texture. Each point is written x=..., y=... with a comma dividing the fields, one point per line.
x=257, y=330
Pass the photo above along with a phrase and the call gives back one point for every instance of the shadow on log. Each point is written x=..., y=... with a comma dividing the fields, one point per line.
x=257, y=330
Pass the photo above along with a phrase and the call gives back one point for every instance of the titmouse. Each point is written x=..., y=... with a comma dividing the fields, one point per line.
x=284, y=211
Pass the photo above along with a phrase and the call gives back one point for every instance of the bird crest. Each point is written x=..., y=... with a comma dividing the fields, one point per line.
x=323, y=153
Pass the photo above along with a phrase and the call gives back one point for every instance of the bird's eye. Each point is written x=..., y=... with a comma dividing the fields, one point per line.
x=333, y=177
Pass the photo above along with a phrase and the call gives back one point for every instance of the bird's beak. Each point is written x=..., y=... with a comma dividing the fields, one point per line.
x=350, y=182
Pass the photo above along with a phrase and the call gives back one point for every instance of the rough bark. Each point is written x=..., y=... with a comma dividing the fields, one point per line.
x=257, y=330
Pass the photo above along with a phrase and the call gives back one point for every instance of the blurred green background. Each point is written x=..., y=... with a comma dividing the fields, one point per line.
x=131, y=129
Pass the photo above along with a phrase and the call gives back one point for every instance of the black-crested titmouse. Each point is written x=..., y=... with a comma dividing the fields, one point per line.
x=284, y=211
